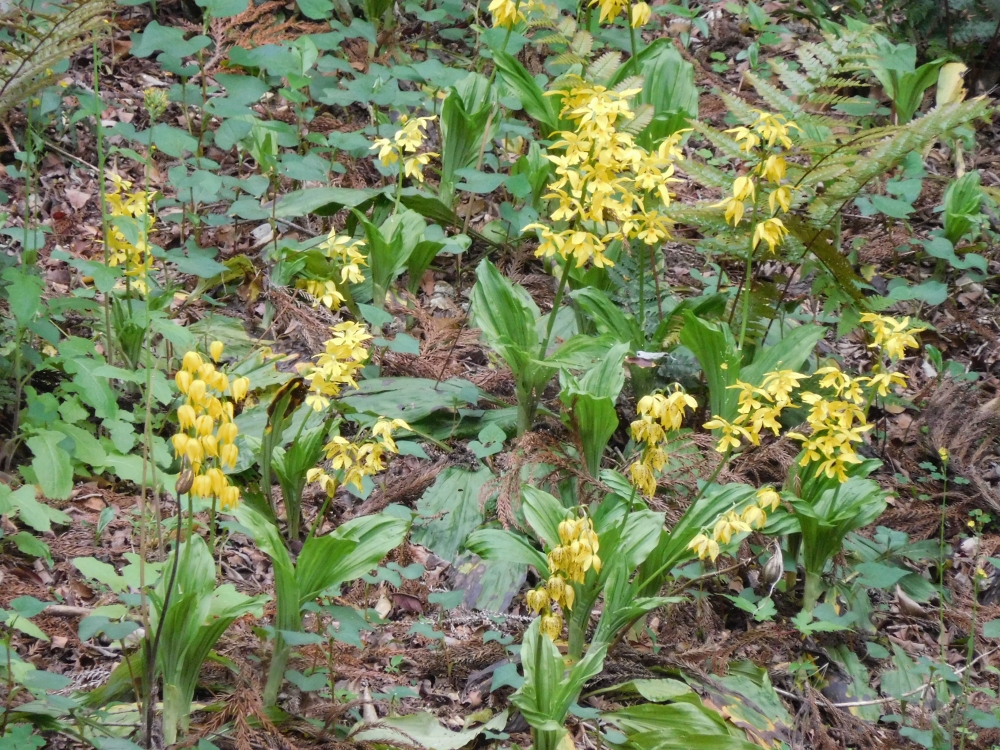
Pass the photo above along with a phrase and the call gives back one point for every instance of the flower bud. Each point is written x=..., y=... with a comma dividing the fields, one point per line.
x=183, y=380
x=240, y=387
x=216, y=350
x=179, y=441
x=191, y=362
x=210, y=444
x=184, y=481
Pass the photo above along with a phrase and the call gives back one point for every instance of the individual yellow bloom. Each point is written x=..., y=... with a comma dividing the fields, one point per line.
x=183, y=379
x=204, y=425
x=731, y=434
x=642, y=477
x=556, y=588
x=774, y=168
x=179, y=441
x=239, y=388
x=228, y=455
x=641, y=14
x=774, y=128
x=215, y=349
x=883, y=381
x=414, y=165
x=704, y=546
x=227, y=433
x=191, y=362
x=748, y=397
x=219, y=381
x=202, y=486
x=551, y=626
x=780, y=196
x=734, y=209
x=753, y=516
x=747, y=139
x=768, y=499
x=210, y=444
x=772, y=231
x=744, y=188
x=229, y=499
x=197, y=391
x=186, y=416
x=387, y=153
x=944, y=455
x=537, y=599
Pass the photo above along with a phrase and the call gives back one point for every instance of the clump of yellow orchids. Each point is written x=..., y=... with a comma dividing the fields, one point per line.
x=403, y=146
x=837, y=420
x=135, y=258
x=659, y=415
x=569, y=562
x=607, y=187
x=206, y=439
x=346, y=253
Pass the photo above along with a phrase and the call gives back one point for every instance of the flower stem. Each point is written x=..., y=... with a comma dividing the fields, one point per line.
x=555, y=307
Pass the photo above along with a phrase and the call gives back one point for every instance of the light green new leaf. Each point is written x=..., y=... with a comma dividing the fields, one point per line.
x=52, y=465
x=499, y=544
x=538, y=106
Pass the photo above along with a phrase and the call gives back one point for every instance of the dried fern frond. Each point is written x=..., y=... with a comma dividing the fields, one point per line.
x=34, y=43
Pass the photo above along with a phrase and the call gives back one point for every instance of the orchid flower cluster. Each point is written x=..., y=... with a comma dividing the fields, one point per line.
x=611, y=9
x=659, y=414
x=346, y=253
x=206, y=439
x=607, y=187
x=357, y=459
x=135, y=258
x=342, y=358
x=403, y=147
x=569, y=562
x=760, y=139
x=707, y=543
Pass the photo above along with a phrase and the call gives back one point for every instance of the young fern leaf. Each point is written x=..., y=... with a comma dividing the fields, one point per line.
x=604, y=67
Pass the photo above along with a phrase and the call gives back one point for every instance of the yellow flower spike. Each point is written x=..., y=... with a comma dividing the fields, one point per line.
x=197, y=391
x=183, y=379
x=186, y=416
x=191, y=362
x=179, y=441
x=239, y=388
x=227, y=433
x=210, y=444
x=641, y=13
x=215, y=349
x=228, y=455
x=551, y=626
x=229, y=499
x=204, y=425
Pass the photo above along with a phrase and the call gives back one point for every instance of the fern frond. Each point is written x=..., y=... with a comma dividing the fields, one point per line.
x=37, y=43
x=604, y=67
